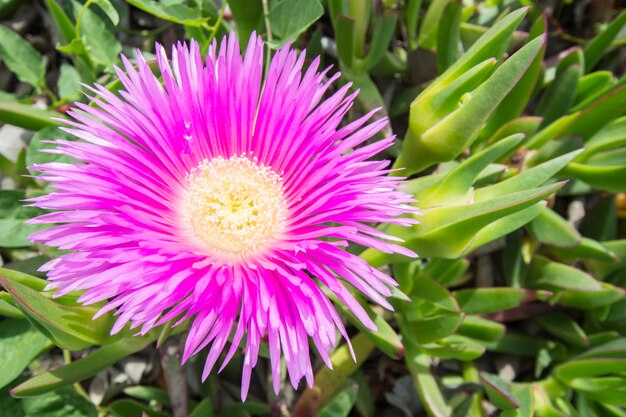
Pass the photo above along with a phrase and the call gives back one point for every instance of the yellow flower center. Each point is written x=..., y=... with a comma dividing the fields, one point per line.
x=234, y=206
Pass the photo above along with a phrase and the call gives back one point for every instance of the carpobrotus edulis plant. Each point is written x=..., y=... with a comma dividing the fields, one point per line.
x=226, y=199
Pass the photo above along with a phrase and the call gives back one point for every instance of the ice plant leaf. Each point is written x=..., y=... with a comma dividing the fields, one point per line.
x=550, y=228
x=26, y=116
x=69, y=327
x=83, y=368
x=223, y=201
x=598, y=45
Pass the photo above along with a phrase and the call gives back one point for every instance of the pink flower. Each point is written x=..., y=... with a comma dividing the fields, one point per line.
x=224, y=199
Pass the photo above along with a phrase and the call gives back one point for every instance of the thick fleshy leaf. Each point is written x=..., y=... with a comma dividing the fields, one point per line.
x=26, y=116
x=549, y=275
x=498, y=391
x=596, y=48
x=456, y=347
x=130, y=408
x=448, y=137
x=590, y=299
x=448, y=36
x=327, y=381
x=552, y=229
x=609, y=178
x=591, y=87
x=490, y=300
x=426, y=384
x=561, y=93
x=456, y=187
x=481, y=329
x=69, y=327
x=448, y=232
x=562, y=326
x=341, y=404
x=587, y=249
x=85, y=367
x=431, y=24
x=514, y=103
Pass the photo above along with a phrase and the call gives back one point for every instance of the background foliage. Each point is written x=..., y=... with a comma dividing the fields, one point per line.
x=513, y=123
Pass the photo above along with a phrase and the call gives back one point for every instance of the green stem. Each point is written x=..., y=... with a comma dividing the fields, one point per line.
x=268, y=28
x=218, y=23
x=80, y=16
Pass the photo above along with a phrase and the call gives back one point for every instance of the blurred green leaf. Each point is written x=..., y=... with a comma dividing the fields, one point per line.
x=101, y=44
x=552, y=229
x=523, y=396
x=87, y=366
x=561, y=93
x=550, y=275
x=431, y=23
x=249, y=17
x=13, y=212
x=562, y=326
x=341, y=404
x=489, y=300
x=64, y=402
x=203, y=409
x=448, y=36
x=148, y=393
x=26, y=116
x=587, y=249
x=69, y=82
x=173, y=11
x=481, y=329
x=289, y=18
x=21, y=58
x=596, y=48
x=20, y=343
x=109, y=10
x=498, y=391
x=588, y=299
x=384, y=29
x=35, y=153
x=456, y=347
x=591, y=87
x=130, y=408
x=327, y=381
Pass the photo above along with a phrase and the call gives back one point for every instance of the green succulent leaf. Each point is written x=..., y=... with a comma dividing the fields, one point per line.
x=601, y=43
x=498, y=391
x=552, y=229
x=70, y=327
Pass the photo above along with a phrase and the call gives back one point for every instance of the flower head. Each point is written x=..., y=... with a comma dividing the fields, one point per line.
x=226, y=199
